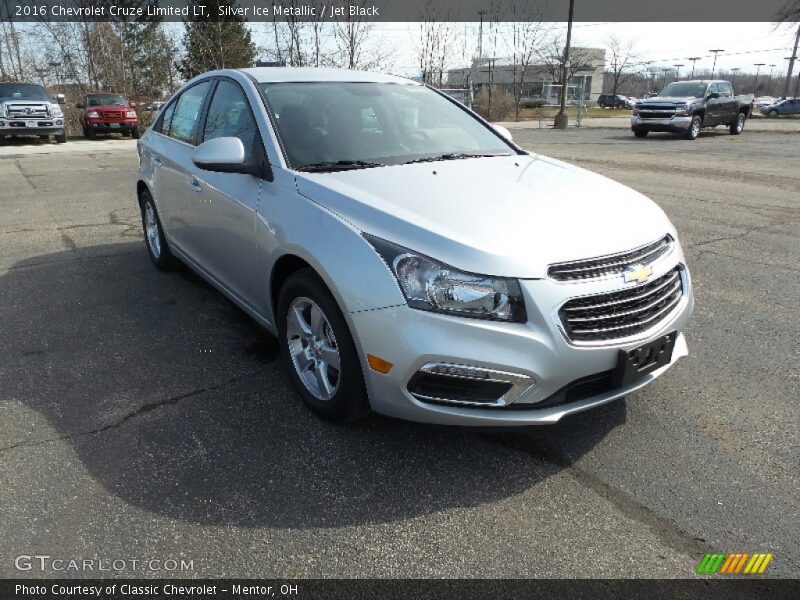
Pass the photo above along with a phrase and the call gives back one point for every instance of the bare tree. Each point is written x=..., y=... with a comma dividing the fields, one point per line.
x=356, y=48
x=527, y=36
x=622, y=60
x=552, y=55
x=436, y=36
x=790, y=12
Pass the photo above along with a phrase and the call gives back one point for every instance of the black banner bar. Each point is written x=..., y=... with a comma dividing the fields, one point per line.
x=411, y=589
x=391, y=10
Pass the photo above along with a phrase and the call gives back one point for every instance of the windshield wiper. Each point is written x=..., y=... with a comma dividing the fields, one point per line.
x=451, y=156
x=339, y=165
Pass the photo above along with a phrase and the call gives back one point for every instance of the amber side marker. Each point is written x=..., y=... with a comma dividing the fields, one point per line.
x=378, y=364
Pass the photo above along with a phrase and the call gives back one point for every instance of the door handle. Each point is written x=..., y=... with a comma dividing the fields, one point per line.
x=194, y=183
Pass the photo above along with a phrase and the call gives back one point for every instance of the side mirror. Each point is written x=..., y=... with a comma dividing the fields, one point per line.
x=503, y=131
x=132, y=104
x=223, y=155
x=79, y=105
x=60, y=98
x=713, y=96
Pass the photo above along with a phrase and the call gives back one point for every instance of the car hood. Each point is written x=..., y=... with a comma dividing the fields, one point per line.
x=669, y=100
x=108, y=107
x=506, y=216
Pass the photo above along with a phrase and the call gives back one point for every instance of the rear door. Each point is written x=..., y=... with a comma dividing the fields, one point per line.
x=728, y=102
x=173, y=163
x=714, y=106
x=223, y=205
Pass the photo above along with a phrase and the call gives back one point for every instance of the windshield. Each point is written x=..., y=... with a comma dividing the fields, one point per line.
x=23, y=91
x=684, y=90
x=105, y=100
x=373, y=124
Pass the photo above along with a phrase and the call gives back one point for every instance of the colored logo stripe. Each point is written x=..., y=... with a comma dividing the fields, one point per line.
x=733, y=563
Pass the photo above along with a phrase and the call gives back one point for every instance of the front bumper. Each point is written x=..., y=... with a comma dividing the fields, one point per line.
x=54, y=126
x=112, y=127
x=538, y=350
x=673, y=124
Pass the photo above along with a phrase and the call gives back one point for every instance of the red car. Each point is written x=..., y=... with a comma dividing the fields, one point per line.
x=108, y=113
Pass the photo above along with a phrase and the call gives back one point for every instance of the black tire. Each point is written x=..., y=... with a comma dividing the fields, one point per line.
x=738, y=125
x=135, y=133
x=773, y=114
x=601, y=104
x=159, y=252
x=61, y=138
x=640, y=133
x=89, y=133
x=349, y=400
x=694, y=128
x=45, y=138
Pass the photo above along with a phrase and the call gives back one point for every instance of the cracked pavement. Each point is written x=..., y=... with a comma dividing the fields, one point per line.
x=123, y=436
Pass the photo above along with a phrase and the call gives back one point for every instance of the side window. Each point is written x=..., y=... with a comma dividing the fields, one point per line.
x=713, y=88
x=229, y=115
x=187, y=112
x=163, y=122
x=725, y=89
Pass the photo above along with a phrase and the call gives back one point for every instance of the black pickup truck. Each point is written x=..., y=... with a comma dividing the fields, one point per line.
x=684, y=107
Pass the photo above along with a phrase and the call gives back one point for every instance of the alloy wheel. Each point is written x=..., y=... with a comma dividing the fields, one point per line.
x=313, y=349
x=151, y=229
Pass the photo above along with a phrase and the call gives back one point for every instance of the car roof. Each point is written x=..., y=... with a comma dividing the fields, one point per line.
x=314, y=74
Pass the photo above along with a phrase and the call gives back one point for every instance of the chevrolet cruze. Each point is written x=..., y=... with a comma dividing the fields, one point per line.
x=410, y=257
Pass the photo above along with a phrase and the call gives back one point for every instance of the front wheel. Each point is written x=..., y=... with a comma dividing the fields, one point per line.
x=61, y=138
x=135, y=133
x=318, y=350
x=772, y=114
x=738, y=125
x=640, y=133
x=694, y=128
x=89, y=133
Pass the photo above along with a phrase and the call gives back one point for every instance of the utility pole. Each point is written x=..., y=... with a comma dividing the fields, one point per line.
x=735, y=70
x=481, y=13
x=694, y=59
x=758, y=70
x=769, y=80
x=561, y=120
x=714, y=66
x=677, y=70
x=791, y=65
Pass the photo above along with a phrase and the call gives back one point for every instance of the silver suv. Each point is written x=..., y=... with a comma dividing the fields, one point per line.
x=409, y=256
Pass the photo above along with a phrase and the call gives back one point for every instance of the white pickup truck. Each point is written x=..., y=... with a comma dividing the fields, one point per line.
x=27, y=109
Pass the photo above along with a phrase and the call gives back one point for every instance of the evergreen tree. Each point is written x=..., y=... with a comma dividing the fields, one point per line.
x=216, y=43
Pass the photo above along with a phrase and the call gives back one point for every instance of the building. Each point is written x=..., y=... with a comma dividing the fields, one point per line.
x=540, y=80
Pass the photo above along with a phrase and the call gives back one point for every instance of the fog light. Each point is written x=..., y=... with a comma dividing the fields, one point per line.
x=2, y=123
x=378, y=364
x=59, y=122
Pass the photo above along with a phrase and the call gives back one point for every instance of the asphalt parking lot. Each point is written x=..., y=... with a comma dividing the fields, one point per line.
x=145, y=417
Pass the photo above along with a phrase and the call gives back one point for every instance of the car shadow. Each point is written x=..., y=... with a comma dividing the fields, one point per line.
x=175, y=401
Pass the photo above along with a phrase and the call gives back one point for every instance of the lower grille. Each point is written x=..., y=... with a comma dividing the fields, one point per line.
x=112, y=114
x=624, y=312
x=656, y=115
x=575, y=391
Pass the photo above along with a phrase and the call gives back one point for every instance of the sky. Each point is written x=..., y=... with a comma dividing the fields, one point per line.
x=666, y=44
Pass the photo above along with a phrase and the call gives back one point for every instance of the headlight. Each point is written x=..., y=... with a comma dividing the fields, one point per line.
x=55, y=110
x=431, y=285
x=682, y=110
x=131, y=114
x=93, y=114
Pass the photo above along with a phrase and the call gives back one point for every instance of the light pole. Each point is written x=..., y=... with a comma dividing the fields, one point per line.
x=735, y=70
x=758, y=70
x=694, y=59
x=561, y=119
x=769, y=79
x=677, y=70
x=714, y=66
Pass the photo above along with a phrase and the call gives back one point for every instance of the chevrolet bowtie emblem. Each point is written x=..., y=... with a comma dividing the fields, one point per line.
x=637, y=273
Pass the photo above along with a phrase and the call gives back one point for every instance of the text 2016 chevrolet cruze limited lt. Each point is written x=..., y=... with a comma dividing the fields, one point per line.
x=409, y=256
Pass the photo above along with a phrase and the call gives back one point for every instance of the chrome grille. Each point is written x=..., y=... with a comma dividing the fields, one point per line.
x=27, y=111
x=612, y=264
x=622, y=313
x=113, y=114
